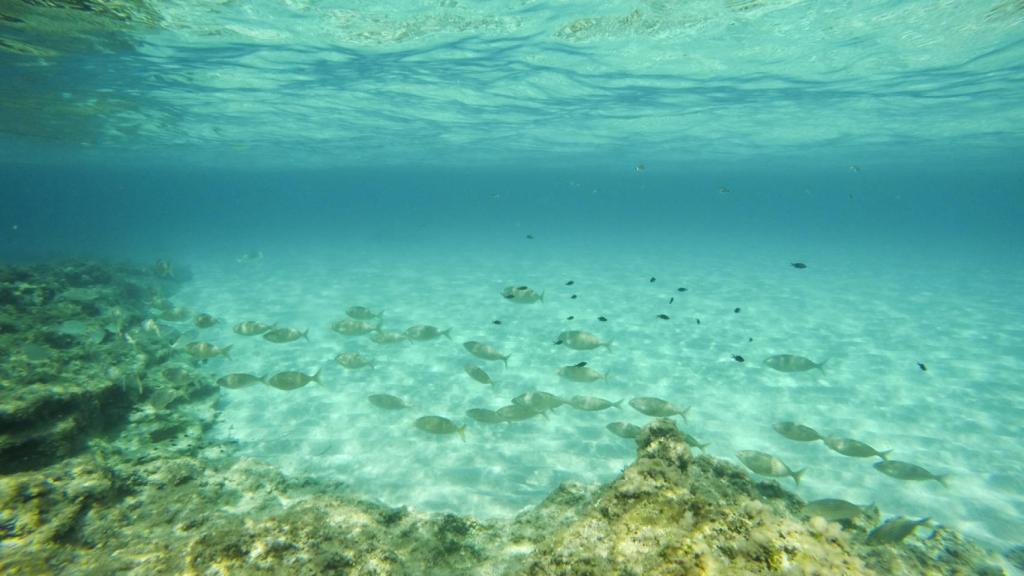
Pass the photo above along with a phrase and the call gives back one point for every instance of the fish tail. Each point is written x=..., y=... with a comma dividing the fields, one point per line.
x=505, y=359
x=541, y=296
x=884, y=454
x=306, y=334
x=226, y=351
x=798, y=474
x=462, y=432
x=316, y=377
x=380, y=322
x=942, y=479
x=821, y=365
x=701, y=447
x=608, y=345
x=619, y=403
x=606, y=374
x=447, y=333
x=683, y=413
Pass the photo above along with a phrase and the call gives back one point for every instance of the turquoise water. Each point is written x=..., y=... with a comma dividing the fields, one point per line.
x=418, y=157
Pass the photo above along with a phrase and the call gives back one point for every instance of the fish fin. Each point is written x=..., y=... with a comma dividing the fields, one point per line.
x=683, y=414
x=447, y=333
x=462, y=432
x=607, y=345
x=884, y=454
x=701, y=447
x=541, y=296
x=821, y=365
x=316, y=377
x=226, y=351
x=505, y=359
x=941, y=479
x=619, y=403
x=545, y=415
x=306, y=334
x=606, y=374
x=798, y=474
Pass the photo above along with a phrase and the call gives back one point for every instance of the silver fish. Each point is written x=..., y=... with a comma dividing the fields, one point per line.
x=581, y=340
x=625, y=430
x=581, y=373
x=657, y=407
x=477, y=373
x=908, y=471
x=388, y=337
x=485, y=352
x=440, y=425
x=517, y=412
x=521, y=295
x=693, y=442
x=292, y=380
x=362, y=313
x=251, y=328
x=854, y=448
x=282, y=335
x=354, y=361
x=423, y=333
x=593, y=403
x=350, y=327
x=833, y=509
x=484, y=415
x=792, y=363
x=893, y=531
x=539, y=401
x=205, y=350
x=238, y=380
x=797, y=432
x=387, y=401
x=767, y=465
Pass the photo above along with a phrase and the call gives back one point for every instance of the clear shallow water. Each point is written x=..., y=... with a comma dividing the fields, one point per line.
x=399, y=157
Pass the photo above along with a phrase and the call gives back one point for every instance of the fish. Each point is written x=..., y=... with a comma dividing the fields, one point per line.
x=570, y=283
x=292, y=380
x=854, y=448
x=664, y=316
x=251, y=328
x=388, y=337
x=497, y=322
x=593, y=403
x=652, y=280
x=150, y=325
x=517, y=412
x=521, y=294
x=484, y=415
x=573, y=297
x=251, y=256
x=282, y=335
x=672, y=299
x=204, y=320
x=354, y=361
x=919, y=364
x=657, y=407
x=423, y=333
x=581, y=373
x=792, y=363
x=640, y=168
x=602, y=319
x=205, y=350
x=798, y=265
x=570, y=317
x=177, y=375
x=477, y=373
x=582, y=340
x=693, y=442
x=163, y=269
x=767, y=465
x=440, y=425
x=351, y=327
x=736, y=310
x=539, y=401
x=738, y=358
x=833, y=509
x=387, y=401
x=893, y=531
x=908, y=471
x=485, y=352
x=681, y=289
x=238, y=380
x=797, y=432
x=363, y=313
x=625, y=430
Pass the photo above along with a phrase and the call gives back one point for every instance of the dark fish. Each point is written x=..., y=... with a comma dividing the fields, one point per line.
x=736, y=310
x=484, y=415
x=573, y=297
x=571, y=318
x=737, y=358
x=522, y=287
x=750, y=339
x=799, y=265
x=672, y=299
x=557, y=342
x=893, y=531
x=581, y=364
x=652, y=279
x=680, y=289
x=387, y=401
x=570, y=283
x=602, y=318
x=663, y=316
x=497, y=322
x=529, y=236
x=640, y=168
x=922, y=367
x=698, y=320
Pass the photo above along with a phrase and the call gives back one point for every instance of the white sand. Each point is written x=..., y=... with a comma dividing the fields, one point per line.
x=872, y=321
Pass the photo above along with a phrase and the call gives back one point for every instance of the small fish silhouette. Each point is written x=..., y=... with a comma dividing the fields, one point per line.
x=663, y=316
x=497, y=322
x=680, y=289
x=799, y=265
x=736, y=310
x=738, y=358
x=922, y=367
x=652, y=279
x=570, y=283
x=602, y=318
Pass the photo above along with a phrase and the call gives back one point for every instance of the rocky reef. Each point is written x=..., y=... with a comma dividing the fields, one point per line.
x=106, y=470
